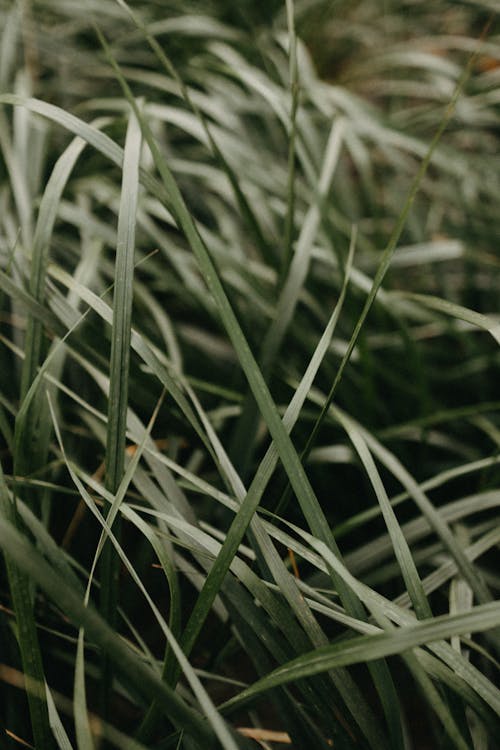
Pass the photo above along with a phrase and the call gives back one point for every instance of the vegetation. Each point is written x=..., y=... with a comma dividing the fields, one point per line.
x=249, y=426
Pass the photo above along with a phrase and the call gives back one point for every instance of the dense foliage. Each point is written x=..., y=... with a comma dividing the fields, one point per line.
x=249, y=421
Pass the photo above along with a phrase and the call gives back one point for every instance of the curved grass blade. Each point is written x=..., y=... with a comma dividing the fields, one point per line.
x=453, y=310
x=433, y=517
x=32, y=427
x=368, y=647
x=399, y=543
x=380, y=605
x=409, y=572
x=100, y=141
x=39, y=257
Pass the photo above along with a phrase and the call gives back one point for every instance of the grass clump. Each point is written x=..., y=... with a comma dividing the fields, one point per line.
x=247, y=408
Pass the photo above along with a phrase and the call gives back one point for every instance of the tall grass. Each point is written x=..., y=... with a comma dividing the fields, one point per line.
x=249, y=427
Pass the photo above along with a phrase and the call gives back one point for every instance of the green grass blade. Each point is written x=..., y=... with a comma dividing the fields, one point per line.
x=289, y=227
x=122, y=309
x=281, y=617
x=29, y=647
x=379, y=605
x=399, y=543
x=119, y=368
x=83, y=732
x=455, y=311
x=56, y=724
x=100, y=141
x=366, y=648
x=40, y=253
x=293, y=284
x=32, y=424
x=435, y=519
x=250, y=502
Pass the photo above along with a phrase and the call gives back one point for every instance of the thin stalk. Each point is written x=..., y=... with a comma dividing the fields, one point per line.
x=119, y=373
x=288, y=231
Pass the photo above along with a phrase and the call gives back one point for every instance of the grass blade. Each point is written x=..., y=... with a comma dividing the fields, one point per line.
x=369, y=647
x=29, y=647
x=119, y=368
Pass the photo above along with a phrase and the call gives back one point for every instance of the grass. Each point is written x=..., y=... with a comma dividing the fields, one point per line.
x=248, y=424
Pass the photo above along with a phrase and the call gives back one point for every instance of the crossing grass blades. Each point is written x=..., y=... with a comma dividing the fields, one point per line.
x=249, y=429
